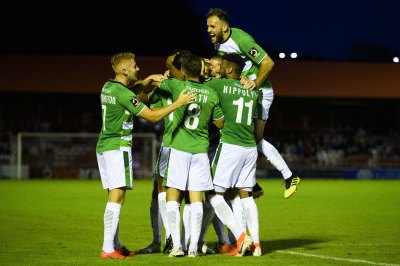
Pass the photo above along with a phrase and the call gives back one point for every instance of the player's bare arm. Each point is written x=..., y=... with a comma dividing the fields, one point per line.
x=219, y=123
x=155, y=115
x=147, y=86
x=265, y=68
x=173, y=71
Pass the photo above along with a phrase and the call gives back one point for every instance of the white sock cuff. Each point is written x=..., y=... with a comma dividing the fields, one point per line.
x=162, y=196
x=114, y=207
x=247, y=201
x=196, y=205
x=215, y=199
x=172, y=204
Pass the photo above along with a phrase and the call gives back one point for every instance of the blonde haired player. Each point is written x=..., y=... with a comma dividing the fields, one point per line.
x=113, y=149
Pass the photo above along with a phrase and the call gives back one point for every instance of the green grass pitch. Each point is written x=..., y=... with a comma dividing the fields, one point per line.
x=327, y=222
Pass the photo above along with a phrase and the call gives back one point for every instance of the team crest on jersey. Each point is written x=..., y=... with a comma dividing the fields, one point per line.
x=136, y=102
x=254, y=52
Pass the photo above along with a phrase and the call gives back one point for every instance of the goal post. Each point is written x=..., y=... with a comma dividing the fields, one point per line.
x=73, y=155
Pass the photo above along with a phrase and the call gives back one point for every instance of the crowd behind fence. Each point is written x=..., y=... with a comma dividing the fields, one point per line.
x=362, y=136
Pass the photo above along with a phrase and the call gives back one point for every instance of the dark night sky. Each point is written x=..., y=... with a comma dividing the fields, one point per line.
x=336, y=30
x=332, y=29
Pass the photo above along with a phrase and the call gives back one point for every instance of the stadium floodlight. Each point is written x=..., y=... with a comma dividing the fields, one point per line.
x=293, y=55
x=395, y=59
x=282, y=55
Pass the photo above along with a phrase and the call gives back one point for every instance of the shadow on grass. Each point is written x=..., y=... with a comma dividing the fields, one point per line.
x=282, y=244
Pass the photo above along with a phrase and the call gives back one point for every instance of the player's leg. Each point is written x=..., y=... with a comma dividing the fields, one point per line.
x=174, y=221
x=245, y=183
x=196, y=216
x=232, y=197
x=226, y=165
x=225, y=214
x=199, y=180
x=251, y=215
x=186, y=224
x=158, y=203
x=208, y=215
x=162, y=195
x=208, y=210
x=115, y=178
x=272, y=154
x=176, y=175
x=156, y=221
x=224, y=244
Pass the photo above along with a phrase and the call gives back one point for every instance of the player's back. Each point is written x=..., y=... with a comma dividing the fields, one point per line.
x=191, y=123
x=239, y=106
x=192, y=133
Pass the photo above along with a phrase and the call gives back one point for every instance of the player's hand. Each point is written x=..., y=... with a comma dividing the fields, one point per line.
x=156, y=77
x=186, y=97
x=248, y=84
x=231, y=194
x=167, y=74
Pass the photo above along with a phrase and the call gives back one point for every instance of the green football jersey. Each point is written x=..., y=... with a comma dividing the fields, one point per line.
x=240, y=42
x=161, y=99
x=118, y=105
x=190, y=132
x=239, y=107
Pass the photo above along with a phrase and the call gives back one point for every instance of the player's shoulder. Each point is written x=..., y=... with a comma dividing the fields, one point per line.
x=171, y=81
x=210, y=81
x=207, y=85
x=240, y=34
x=120, y=90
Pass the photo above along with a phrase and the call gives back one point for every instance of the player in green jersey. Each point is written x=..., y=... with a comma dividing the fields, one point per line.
x=113, y=149
x=157, y=99
x=215, y=64
x=189, y=147
x=234, y=165
x=258, y=66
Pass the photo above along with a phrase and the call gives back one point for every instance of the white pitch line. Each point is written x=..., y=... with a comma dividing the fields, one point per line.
x=334, y=258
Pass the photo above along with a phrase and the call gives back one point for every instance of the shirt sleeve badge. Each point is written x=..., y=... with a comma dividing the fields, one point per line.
x=254, y=52
x=135, y=102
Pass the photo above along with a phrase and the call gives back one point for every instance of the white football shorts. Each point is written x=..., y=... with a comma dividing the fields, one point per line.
x=234, y=166
x=115, y=169
x=188, y=171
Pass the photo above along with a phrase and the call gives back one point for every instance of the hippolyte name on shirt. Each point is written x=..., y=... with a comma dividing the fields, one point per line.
x=200, y=94
x=240, y=91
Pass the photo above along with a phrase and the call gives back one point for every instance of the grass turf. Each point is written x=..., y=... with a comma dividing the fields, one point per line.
x=327, y=222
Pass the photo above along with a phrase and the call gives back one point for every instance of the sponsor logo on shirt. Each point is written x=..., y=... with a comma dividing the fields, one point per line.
x=136, y=102
x=254, y=52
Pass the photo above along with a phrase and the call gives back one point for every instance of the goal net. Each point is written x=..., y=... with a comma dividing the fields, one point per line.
x=73, y=155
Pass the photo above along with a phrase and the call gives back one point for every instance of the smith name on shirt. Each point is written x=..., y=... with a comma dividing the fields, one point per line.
x=200, y=97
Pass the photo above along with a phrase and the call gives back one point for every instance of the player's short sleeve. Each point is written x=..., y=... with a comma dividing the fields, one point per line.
x=129, y=100
x=249, y=47
x=155, y=100
x=169, y=85
x=217, y=112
